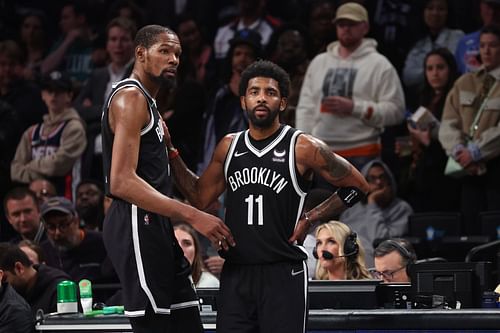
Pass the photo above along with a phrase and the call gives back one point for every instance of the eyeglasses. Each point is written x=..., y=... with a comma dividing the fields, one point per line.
x=372, y=179
x=386, y=275
x=63, y=226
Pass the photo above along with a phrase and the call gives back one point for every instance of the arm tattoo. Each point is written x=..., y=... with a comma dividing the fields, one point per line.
x=337, y=167
x=327, y=210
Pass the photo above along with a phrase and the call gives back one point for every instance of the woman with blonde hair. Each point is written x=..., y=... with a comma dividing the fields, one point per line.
x=340, y=255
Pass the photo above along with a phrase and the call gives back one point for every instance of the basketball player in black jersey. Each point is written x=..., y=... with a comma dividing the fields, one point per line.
x=157, y=289
x=266, y=172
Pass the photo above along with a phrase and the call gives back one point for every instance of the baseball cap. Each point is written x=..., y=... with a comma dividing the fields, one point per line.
x=351, y=11
x=60, y=204
x=246, y=36
x=57, y=81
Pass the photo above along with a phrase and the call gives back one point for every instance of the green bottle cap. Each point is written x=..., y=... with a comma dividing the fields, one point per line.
x=85, y=288
x=66, y=292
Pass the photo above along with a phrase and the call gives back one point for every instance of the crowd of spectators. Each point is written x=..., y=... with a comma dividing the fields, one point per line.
x=356, y=75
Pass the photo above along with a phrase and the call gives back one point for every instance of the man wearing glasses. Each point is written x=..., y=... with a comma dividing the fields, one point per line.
x=382, y=214
x=78, y=252
x=392, y=260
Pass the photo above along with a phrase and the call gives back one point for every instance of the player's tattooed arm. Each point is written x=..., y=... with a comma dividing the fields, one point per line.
x=314, y=156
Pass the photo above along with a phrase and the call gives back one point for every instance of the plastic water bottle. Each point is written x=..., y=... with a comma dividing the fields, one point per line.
x=430, y=232
x=85, y=295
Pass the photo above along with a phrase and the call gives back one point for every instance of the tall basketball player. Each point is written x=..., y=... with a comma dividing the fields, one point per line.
x=157, y=291
x=266, y=171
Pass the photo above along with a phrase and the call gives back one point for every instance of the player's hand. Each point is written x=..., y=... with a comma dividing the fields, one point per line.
x=214, y=229
x=300, y=232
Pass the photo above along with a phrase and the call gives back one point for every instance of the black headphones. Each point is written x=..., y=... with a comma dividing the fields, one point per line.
x=351, y=248
x=407, y=255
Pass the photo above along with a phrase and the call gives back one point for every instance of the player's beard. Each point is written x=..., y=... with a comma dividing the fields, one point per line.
x=265, y=122
x=168, y=82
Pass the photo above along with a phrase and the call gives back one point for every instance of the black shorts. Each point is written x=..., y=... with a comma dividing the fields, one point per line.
x=148, y=260
x=263, y=298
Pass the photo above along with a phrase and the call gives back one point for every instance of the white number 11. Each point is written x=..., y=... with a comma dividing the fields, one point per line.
x=260, y=203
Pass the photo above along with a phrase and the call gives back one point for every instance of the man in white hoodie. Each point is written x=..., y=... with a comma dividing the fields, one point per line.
x=351, y=92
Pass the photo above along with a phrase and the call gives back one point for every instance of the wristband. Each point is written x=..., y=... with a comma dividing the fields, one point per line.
x=173, y=153
x=350, y=195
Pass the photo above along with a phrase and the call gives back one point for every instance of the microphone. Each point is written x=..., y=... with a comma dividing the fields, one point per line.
x=327, y=255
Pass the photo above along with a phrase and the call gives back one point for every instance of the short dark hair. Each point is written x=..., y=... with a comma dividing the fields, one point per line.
x=95, y=182
x=147, y=36
x=10, y=254
x=265, y=68
x=491, y=29
x=19, y=193
x=400, y=245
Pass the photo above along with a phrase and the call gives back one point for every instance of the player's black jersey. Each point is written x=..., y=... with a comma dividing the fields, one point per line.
x=152, y=165
x=264, y=198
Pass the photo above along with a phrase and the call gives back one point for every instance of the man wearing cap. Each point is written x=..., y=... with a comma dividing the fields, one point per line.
x=467, y=52
x=78, y=252
x=350, y=92
x=52, y=149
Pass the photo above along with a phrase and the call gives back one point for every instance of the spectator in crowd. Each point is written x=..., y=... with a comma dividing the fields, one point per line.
x=198, y=53
x=43, y=189
x=225, y=114
x=437, y=35
x=53, y=148
x=188, y=240
x=470, y=133
x=382, y=214
x=320, y=26
x=422, y=181
x=78, y=252
x=15, y=312
x=33, y=251
x=33, y=40
x=394, y=25
x=393, y=257
x=127, y=9
x=339, y=253
x=90, y=204
x=467, y=51
x=120, y=33
x=251, y=17
x=21, y=95
x=288, y=49
x=23, y=213
x=350, y=92
x=36, y=283
x=72, y=52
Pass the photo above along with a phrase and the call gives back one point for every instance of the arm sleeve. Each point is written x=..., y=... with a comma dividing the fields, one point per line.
x=19, y=171
x=388, y=105
x=306, y=111
x=450, y=131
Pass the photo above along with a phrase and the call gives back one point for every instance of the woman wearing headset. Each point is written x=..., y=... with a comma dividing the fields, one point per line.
x=339, y=253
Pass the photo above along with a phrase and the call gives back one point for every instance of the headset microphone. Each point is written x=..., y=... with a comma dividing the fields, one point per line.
x=327, y=255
